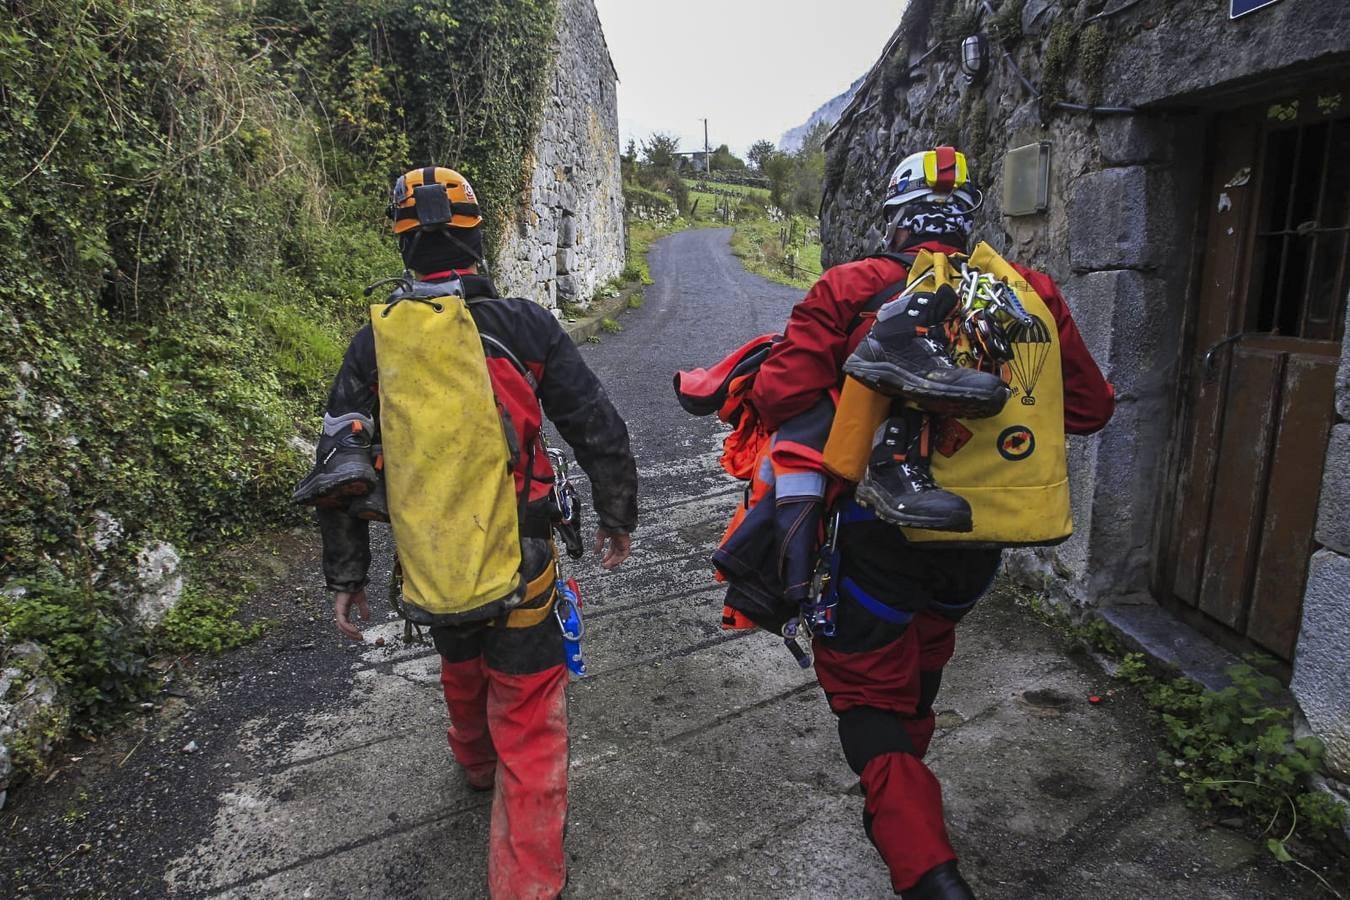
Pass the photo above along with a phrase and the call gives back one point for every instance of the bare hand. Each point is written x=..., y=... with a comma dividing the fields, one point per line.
x=342, y=604
x=620, y=545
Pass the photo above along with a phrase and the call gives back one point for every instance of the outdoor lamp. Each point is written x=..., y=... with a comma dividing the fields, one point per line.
x=975, y=56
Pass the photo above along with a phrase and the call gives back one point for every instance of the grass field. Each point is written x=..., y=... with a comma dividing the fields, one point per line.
x=745, y=190
x=757, y=243
x=708, y=204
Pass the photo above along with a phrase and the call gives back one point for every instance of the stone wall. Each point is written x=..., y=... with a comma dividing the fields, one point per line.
x=1121, y=236
x=568, y=236
x=1321, y=670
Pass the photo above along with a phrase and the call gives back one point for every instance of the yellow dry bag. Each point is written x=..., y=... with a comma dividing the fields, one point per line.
x=1011, y=468
x=452, y=497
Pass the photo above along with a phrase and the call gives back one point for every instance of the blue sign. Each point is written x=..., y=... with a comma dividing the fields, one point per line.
x=1242, y=7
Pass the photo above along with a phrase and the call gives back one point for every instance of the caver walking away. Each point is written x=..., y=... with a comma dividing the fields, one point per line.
x=433, y=423
x=908, y=424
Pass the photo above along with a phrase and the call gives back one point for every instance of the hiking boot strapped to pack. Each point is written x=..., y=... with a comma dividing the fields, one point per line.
x=899, y=486
x=373, y=506
x=905, y=354
x=343, y=468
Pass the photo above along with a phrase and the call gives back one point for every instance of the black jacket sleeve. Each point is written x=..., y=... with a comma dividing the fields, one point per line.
x=346, y=539
x=576, y=403
x=346, y=549
x=356, y=387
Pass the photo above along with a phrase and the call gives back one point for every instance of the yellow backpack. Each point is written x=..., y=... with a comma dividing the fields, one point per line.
x=1012, y=468
x=452, y=497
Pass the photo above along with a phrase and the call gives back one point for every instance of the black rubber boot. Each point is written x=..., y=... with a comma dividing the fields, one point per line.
x=374, y=506
x=898, y=486
x=943, y=882
x=905, y=355
x=342, y=467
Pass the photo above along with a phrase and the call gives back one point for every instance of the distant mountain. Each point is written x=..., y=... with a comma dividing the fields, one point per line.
x=829, y=114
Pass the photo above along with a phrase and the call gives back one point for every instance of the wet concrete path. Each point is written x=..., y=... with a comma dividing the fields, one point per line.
x=704, y=764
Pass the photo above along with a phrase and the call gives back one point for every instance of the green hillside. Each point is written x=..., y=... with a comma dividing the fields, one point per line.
x=193, y=198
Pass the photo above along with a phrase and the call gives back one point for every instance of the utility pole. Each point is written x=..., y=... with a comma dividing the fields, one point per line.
x=707, y=154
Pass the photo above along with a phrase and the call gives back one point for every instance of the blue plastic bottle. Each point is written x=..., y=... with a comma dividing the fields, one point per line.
x=568, y=611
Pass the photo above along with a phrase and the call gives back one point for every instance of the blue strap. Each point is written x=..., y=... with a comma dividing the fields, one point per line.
x=875, y=606
x=796, y=485
x=851, y=513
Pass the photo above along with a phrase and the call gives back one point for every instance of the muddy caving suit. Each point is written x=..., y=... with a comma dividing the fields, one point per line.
x=899, y=603
x=504, y=675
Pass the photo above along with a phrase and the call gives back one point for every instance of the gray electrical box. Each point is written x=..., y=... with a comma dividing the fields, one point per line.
x=1026, y=180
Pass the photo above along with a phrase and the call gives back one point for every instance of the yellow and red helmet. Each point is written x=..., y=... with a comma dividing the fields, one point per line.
x=432, y=197
x=941, y=174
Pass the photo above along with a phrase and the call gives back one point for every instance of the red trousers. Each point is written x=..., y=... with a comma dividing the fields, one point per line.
x=883, y=697
x=509, y=731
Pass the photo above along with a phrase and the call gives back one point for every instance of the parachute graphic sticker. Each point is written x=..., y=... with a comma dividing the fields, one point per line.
x=1031, y=350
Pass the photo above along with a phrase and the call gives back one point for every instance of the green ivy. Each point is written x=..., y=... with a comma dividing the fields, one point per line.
x=191, y=198
x=199, y=623
x=1235, y=749
x=96, y=657
x=400, y=83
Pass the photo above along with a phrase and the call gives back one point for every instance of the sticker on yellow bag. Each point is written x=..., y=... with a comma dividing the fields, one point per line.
x=452, y=499
x=1011, y=468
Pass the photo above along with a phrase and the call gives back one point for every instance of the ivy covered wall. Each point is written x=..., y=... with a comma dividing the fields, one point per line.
x=192, y=196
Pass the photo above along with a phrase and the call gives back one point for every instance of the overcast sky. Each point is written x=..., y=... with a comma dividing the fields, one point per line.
x=754, y=68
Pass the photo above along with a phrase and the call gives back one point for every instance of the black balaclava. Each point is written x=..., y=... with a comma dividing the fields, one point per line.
x=435, y=251
x=956, y=240
x=933, y=221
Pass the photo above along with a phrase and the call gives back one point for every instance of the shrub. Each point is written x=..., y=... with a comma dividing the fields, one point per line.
x=752, y=206
x=202, y=624
x=1234, y=748
x=96, y=657
x=1006, y=25
x=646, y=205
x=192, y=197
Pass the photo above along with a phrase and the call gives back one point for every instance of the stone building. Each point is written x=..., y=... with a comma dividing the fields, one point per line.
x=568, y=234
x=1184, y=173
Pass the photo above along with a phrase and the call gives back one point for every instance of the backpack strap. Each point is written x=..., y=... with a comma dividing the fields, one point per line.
x=499, y=344
x=904, y=259
x=877, y=300
x=530, y=455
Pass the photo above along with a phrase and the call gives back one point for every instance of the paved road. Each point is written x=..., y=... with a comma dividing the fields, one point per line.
x=703, y=764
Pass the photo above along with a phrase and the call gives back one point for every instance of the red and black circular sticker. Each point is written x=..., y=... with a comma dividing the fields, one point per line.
x=1016, y=443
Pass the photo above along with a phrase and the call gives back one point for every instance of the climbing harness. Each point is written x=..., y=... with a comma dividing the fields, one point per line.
x=567, y=524
x=567, y=521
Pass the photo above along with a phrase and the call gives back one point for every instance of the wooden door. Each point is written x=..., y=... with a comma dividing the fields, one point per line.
x=1260, y=401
